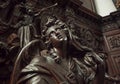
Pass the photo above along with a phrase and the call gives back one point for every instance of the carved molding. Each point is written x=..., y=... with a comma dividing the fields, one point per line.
x=116, y=64
x=111, y=22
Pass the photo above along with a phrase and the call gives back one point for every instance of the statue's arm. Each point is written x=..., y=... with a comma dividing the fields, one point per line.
x=110, y=78
x=36, y=73
x=36, y=78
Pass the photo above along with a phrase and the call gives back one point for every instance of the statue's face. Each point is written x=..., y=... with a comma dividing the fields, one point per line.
x=56, y=35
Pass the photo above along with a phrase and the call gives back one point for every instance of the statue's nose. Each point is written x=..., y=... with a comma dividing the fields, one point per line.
x=57, y=32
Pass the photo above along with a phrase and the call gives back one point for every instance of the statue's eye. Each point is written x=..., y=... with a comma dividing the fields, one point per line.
x=51, y=33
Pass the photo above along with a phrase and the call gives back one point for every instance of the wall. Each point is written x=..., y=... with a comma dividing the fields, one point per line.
x=111, y=33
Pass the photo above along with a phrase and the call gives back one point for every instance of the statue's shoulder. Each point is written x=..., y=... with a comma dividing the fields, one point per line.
x=38, y=64
x=36, y=68
x=41, y=58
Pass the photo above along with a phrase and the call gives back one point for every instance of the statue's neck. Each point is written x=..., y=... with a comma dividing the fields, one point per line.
x=60, y=52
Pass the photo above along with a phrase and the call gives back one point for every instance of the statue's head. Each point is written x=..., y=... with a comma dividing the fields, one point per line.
x=55, y=32
x=58, y=34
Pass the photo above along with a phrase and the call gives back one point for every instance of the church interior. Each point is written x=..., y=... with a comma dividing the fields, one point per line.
x=95, y=22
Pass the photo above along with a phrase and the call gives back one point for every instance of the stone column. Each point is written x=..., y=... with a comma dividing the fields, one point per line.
x=104, y=7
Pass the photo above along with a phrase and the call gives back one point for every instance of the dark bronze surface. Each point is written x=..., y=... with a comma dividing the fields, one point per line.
x=57, y=42
x=65, y=60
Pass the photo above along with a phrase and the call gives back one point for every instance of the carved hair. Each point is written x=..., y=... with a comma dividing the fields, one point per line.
x=53, y=21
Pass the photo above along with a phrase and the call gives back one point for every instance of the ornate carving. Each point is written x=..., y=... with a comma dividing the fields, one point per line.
x=116, y=65
x=84, y=32
x=111, y=22
x=114, y=42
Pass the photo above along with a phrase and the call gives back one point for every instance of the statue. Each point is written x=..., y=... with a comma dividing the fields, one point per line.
x=65, y=61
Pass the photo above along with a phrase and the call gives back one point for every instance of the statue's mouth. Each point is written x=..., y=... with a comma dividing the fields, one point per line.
x=59, y=36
